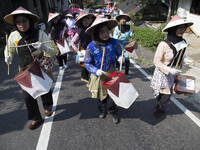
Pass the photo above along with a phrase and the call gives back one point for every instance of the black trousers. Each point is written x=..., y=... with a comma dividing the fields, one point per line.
x=127, y=65
x=162, y=99
x=85, y=74
x=32, y=105
x=61, y=59
x=108, y=105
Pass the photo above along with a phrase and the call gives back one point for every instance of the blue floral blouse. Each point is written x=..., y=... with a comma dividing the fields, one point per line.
x=94, y=54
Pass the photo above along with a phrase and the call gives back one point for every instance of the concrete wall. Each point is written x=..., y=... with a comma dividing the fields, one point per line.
x=186, y=4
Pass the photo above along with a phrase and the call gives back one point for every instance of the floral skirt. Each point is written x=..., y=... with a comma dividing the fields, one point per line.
x=161, y=81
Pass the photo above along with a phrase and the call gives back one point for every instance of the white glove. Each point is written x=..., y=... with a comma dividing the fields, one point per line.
x=8, y=59
x=121, y=59
x=174, y=71
x=80, y=54
x=41, y=46
x=100, y=72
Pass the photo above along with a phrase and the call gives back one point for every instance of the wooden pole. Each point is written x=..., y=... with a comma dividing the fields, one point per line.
x=121, y=61
x=102, y=58
x=179, y=59
x=29, y=44
x=8, y=53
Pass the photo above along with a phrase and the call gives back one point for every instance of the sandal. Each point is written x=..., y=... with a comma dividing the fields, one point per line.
x=35, y=124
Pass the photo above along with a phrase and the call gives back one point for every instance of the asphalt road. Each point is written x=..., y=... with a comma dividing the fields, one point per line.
x=76, y=125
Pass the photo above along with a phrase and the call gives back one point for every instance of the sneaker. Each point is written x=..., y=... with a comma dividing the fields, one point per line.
x=128, y=76
x=66, y=66
x=61, y=67
x=115, y=119
x=102, y=115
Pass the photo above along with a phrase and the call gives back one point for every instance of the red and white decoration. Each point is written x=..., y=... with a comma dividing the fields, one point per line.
x=120, y=89
x=36, y=82
x=63, y=46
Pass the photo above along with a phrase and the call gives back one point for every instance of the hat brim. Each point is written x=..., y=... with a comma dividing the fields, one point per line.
x=79, y=19
x=177, y=23
x=111, y=23
x=53, y=17
x=10, y=17
x=123, y=15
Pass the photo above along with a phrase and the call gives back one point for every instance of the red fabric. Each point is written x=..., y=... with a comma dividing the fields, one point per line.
x=24, y=78
x=112, y=83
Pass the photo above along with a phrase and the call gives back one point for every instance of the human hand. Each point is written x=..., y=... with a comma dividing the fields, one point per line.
x=100, y=72
x=119, y=34
x=80, y=54
x=37, y=52
x=174, y=71
x=133, y=31
x=41, y=46
x=121, y=59
x=8, y=59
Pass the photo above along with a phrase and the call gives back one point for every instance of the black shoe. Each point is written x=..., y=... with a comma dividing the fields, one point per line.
x=102, y=115
x=115, y=119
x=156, y=111
x=162, y=111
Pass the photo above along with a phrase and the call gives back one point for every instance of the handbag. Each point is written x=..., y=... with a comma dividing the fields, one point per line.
x=46, y=63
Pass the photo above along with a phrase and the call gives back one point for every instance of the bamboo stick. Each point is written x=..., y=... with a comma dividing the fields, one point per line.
x=120, y=68
x=179, y=59
x=102, y=58
x=29, y=44
x=8, y=53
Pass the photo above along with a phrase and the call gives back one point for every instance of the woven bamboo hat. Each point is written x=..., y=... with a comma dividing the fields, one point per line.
x=176, y=21
x=69, y=15
x=9, y=18
x=99, y=20
x=81, y=15
x=123, y=15
x=52, y=15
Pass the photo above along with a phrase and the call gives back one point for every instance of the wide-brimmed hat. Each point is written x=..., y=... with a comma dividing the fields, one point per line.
x=52, y=15
x=81, y=15
x=99, y=20
x=107, y=14
x=176, y=21
x=123, y=15
x=9, y=18
x=69, y=15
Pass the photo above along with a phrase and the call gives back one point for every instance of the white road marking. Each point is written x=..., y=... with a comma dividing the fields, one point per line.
x=174, y=100
x=46, y=128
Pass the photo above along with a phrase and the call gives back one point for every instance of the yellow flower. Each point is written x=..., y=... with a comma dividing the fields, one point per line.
x=16, y=42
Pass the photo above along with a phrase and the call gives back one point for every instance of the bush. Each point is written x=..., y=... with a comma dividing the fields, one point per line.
x=99, y=6
x=148, y=37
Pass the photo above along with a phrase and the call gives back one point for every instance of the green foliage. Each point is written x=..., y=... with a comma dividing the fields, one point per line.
x=99, y=6
x=89, y=5
x=161, y=27
x=137, y=19
x=148, y=37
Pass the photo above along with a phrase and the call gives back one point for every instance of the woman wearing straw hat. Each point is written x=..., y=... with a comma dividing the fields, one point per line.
x=100, y=29
x=70, y=25
x=166, y=60
x=83, y=21
x=24, y=34
x=58, y=31
x=123, y=32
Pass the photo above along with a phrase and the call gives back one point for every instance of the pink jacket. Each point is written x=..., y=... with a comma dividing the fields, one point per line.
x=163, y=56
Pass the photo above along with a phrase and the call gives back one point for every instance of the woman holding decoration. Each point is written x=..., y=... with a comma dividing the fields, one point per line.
x=28, y=43
x=100, y=61
x=168, y=59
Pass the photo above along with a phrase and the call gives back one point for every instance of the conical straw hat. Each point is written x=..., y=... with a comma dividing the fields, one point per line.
x=176, y=21
x=9, y=18
x=52, y=15
x=99, y=20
